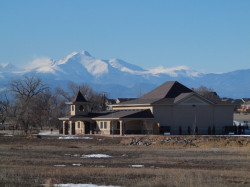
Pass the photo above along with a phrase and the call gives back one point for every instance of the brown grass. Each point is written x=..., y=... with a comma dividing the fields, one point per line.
x=211, y=161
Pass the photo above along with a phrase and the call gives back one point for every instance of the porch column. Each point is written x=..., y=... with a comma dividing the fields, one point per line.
x=70, y=128
x=63, y=127
x=83, y=128
x=121, y=128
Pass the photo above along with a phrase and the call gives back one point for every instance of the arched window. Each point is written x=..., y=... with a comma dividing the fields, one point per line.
x=80, y=108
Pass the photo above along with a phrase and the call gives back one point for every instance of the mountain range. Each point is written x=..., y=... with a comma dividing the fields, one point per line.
x=121, y=79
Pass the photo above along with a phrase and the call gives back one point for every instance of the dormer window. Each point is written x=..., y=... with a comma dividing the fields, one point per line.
x=81, y=108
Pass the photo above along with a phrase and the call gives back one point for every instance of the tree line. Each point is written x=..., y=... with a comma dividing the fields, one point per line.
x=29, y=103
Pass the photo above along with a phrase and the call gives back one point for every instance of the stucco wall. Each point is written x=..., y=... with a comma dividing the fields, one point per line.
x=163, y=115
x=79, y=130
x=202, y=116
x=188, y=116
x=74, y=109
x=223, y=116
x=103, y=130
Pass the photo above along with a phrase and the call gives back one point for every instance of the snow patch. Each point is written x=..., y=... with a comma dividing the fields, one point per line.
x=63, y=61
x=174, y=71
x=42, y=65
x=169, y=71
x=4, y=65
x=76, y=165
x=74, y=138
x=48, y=133
x=96, y=156
x=137, y=166
x=94, y=66
x=60, y=165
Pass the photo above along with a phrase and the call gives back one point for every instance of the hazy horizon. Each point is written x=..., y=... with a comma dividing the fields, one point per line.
x=207, y=36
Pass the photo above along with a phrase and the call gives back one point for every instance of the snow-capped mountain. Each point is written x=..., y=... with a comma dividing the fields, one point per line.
x=122, y=79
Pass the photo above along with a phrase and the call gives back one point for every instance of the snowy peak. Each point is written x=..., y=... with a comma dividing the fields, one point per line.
x=183, y=71
x=94, y=66
x=116, y=76
x=85, y=53
x=66, y=59
x=126, y=67
x=82, y=62
x=41, y=65
x=7, y=67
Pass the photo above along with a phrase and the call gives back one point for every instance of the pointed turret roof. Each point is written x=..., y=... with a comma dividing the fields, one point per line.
x=79, y=98
x=170, y=89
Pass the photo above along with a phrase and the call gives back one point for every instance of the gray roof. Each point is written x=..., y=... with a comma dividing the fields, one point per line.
x=120, y=114
x=182, y=96
x=79, y=98
x=127, y=114
x=169, y=93
x=170, y=89
x=139, y=101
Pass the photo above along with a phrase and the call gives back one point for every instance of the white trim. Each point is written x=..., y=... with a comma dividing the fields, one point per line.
x=194, y=94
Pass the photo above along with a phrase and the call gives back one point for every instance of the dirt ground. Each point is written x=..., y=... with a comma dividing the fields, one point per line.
x=133, y=161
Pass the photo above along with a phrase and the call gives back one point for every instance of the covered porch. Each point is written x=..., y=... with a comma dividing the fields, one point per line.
x=78, y=126
x=126, y=122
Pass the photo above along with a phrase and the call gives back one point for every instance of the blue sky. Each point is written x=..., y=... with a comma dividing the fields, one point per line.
x=210, y=36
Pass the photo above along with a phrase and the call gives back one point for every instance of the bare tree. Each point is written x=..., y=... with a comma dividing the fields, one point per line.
x=26, y=92
x=97, y=100
x=207, y=92
x=4, y=106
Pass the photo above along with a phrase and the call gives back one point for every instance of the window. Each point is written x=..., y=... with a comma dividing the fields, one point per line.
x=80, y=108
x=101, y=125
x=105, y=124
x=79, y=124
x=72, y=108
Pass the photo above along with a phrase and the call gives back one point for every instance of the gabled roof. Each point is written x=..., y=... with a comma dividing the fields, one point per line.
x=79, y=98
x=137, y=102
x=170, y=89
x=169, y=93
x=127, y=114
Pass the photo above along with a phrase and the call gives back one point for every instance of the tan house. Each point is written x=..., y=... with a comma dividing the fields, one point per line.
x=170, y=108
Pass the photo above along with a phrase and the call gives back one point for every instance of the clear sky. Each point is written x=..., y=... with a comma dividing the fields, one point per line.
x=211, y=36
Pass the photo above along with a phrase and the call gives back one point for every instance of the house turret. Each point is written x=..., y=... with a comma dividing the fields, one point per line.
x=79, y=105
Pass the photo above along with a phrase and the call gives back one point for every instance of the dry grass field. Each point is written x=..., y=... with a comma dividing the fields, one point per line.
x=157, y=160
